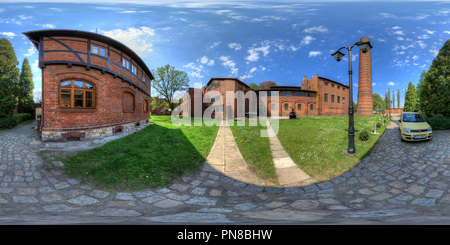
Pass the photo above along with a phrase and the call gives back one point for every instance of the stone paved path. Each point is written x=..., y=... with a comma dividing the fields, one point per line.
x=399, y=182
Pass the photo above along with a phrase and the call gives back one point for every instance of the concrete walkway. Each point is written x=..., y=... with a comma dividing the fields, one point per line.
x=289, y=174
x=226, y=158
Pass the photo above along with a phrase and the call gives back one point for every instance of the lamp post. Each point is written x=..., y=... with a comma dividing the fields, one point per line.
x=364, y=47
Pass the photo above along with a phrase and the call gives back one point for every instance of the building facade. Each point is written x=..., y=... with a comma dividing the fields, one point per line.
x=318, y=96
x=92, y=86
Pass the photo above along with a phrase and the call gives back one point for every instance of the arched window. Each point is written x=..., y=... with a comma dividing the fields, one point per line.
x=77, y=94
x=128, y=102
x=145, y=104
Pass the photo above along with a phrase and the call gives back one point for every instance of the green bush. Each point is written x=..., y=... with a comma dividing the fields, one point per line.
x=378, y=124
x=364, y=135
x=9, y=122
x=439, y=122
x=23, y=117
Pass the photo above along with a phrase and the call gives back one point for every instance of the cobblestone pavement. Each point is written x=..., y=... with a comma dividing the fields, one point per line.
x=399, y=183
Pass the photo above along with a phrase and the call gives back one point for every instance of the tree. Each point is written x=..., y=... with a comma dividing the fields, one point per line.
x=9, y=75
x=378, y=102
x=410, y=99
x=387, y=99
x=253, y=86
x=267, y=84
x=25, y=102
x=393, y=99
x=168, y=81
x=434, y=87
x=159, y=104
x=398, y=98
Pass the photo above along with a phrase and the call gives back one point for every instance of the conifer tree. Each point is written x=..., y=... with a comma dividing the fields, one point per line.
x=25, y=101
x=434, y=87
x=9, y=75
x=410, y=99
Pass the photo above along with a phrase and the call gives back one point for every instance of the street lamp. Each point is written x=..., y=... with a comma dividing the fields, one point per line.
x=364, y=47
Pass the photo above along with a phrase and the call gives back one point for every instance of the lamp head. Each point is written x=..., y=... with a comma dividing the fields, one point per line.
x=338, y=55
x=364, y=47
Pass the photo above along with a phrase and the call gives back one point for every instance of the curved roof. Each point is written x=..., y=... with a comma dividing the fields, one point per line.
x=34, y=36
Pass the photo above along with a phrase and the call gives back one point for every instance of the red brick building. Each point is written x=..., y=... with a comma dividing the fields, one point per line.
x=318, y=96
x=92, y=86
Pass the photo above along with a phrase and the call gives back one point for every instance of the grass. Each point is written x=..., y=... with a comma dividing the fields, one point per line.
x=152, y=157
x=318, y=145
x=255, y=149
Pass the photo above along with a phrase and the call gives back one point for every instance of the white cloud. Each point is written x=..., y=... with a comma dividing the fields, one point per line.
x=373, y=84
x=415, y=57
x=8, y=34
x=234, y=46
x=134, y=38
x=307, y=40
x=214, y=45
x=314, y=53
x=399, y=33
x=447, y=32
x=195, y=70
x=229, y=64
x=204, y=60
x=316, y=29
x=391, y=83
x=434, y=52
x=254, y=52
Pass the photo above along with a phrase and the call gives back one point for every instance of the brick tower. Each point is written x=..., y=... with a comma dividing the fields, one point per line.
x=365, y=97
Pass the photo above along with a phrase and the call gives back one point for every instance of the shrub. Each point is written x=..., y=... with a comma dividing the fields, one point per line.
x=378, y=124
x=364, y=135
x=439, y=122
x=9, y=122
x=23, y=117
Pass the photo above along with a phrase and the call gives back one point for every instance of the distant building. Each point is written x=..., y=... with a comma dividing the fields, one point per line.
x=92, y=86
x=318, y=96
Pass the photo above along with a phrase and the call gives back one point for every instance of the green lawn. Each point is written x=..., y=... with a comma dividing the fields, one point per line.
x=152, y=157
x=318, y=145
x=255, y=149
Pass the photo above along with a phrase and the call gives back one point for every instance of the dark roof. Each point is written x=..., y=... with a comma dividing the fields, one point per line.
x=34, y=36
x=226, y=78
x=283, y=88
x=334, y=81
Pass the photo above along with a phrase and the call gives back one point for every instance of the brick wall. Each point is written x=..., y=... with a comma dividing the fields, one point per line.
x=118, y=93
x=365, y=97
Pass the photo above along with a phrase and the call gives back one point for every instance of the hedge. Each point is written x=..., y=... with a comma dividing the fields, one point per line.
x=10, y=122
x=439, y=122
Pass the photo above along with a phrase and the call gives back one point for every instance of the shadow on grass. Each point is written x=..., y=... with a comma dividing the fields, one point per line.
x=152, y=157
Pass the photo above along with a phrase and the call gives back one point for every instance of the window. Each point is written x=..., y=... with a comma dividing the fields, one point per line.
x=332, y=85
x=339, y=87
x=76, y=94
x=309, y=94
x=133, y=69
x=125, y=63
x=326, y=98
x=326, y=83
x=311, y=107
x=343, y=100
x=143, y=78
x=145, y=105
x=338, y=99
x=343, y=88
x=332, y=98
x=128, y=102
x=286, y=107
x=299, y=107
x=98, y=50
x=283, y=93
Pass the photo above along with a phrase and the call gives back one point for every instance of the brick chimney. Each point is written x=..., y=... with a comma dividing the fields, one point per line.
x=304, y=84
x=365, y=97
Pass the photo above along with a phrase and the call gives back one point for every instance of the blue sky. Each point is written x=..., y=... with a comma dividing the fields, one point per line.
x=254, y=41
